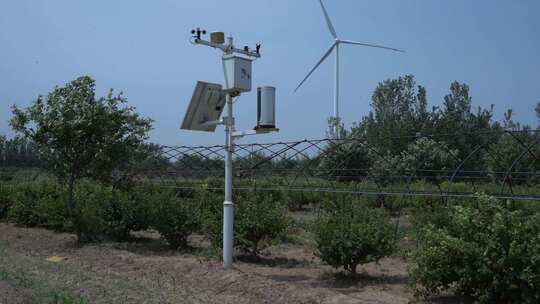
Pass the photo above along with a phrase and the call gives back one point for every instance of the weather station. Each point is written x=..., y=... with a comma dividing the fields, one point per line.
x=210, y=99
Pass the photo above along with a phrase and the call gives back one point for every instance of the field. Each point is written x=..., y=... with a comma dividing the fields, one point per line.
x=42, y=259
x=339, y=224
x=146, y=271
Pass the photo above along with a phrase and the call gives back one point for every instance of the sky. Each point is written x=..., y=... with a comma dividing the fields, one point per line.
x=142, y=49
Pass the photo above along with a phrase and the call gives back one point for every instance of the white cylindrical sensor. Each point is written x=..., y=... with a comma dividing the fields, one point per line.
x=266, y=107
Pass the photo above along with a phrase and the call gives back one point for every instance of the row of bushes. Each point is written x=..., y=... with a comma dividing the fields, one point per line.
x=481, y=247
x=295, y=194
x=176, y=214
x=260, y=218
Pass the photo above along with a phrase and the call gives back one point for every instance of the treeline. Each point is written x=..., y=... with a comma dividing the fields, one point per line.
x=401, y=136
x=18, y=152
x=400, y=109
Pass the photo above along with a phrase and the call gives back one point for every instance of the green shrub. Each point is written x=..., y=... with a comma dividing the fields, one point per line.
x=298, y=200
x=349, y=233
x=44, y=203
x=39, y=204
x=105, y=212
x=260, y=219
x=89, y=216
x=213, y=184
x=484, y=249
x=130, y=211
x=6, y=200
x=175, y=218
x=6, y=176
x=52, y=210
x=337, y=160
x=22, y=211
x=391, y=203
x=211, y=216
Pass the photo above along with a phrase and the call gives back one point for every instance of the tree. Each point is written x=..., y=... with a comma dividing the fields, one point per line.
x=428, y=159
x=17, y=152
x=79, y=135
x=3, y=143
x=146, y=158
x=399, y=110
x=538, y=111
x=513, y=153
x=471, y=129
x=336, y=128
x=344, y=161
x=509, y=124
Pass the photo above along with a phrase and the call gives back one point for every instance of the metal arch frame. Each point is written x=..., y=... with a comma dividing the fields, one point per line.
x=413, y=172
x=484, y=146
x=451, y=181
x=304, y=175
x=526, y=150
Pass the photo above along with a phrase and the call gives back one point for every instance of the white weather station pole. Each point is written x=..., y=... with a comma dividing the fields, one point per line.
x=206, y=106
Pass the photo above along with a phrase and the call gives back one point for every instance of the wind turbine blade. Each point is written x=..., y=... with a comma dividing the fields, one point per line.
x=328, y=22
x=316, y=66
x=371, y=45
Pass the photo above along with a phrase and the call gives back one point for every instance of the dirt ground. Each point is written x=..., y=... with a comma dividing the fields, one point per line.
x=13, y=295
x=146, y=271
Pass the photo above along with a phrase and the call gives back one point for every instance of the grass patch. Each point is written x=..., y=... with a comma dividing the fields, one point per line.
x=41, y=294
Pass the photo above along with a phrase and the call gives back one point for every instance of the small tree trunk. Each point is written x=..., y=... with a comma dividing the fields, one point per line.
x=443, y=198
x=75, y=218
x=255, y=249
x=71, y=189
x=353, y=270
x=382, y=200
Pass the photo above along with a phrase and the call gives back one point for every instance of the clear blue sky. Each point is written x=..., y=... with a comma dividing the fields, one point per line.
x=142, y=48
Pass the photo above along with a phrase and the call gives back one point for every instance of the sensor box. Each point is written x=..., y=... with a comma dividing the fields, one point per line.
x=237, y=73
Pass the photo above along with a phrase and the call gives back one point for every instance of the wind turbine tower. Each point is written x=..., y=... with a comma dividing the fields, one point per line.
x=335, y=46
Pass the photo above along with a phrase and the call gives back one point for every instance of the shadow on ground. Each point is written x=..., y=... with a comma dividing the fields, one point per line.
x=342, y=280
x=281, y=262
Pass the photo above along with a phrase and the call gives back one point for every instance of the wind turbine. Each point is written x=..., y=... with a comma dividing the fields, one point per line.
x=335, y=45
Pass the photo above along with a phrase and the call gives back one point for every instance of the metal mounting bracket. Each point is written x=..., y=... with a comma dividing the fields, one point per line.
x=240, y=134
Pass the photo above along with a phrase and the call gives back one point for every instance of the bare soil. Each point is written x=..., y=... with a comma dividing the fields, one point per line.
x=13, y=295
x=146, y=271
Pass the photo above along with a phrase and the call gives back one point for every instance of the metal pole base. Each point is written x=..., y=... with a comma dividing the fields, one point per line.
x=228, y=234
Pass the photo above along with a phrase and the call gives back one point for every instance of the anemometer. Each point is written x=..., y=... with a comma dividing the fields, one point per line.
x=210, y=99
